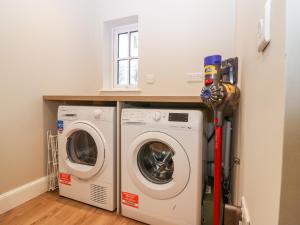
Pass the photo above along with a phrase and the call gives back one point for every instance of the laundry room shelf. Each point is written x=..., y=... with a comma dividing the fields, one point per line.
x=167, y=99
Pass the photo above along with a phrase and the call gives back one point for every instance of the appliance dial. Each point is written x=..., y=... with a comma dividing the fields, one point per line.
x=156, y=116
x=97, y=114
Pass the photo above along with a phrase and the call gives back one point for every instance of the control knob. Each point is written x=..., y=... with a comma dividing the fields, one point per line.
x=156, y=116
x=97, y=113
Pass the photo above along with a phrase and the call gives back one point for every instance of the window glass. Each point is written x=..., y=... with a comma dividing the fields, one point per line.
x=81, y=148
x=134, y=43
x=134, y=67
x=123, y=72
x=123, y=45
x=155, y=162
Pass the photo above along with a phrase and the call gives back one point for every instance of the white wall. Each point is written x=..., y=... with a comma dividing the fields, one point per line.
x=261, y=111
x=54, y=47
x=46, y=47
x=290, y=197
x=175, y=36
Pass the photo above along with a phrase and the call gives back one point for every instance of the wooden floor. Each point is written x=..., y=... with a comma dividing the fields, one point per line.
x=50, y=209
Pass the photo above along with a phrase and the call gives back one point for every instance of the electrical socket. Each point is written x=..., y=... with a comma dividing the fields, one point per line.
x=150, y=78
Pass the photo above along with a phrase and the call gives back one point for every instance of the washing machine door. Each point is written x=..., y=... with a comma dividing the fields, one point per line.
x=85, y=150
x=158, y=165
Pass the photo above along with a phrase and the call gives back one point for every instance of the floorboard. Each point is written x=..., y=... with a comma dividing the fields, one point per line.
x=51, y=209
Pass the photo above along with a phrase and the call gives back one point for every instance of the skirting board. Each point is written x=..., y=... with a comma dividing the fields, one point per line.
x=22, y=194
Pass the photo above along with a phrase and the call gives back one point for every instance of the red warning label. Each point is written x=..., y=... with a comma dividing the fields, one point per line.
x=65, y=178
x=130, y=199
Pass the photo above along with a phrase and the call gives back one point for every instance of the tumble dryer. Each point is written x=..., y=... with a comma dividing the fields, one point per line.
x=161, y=161
x=87, y=154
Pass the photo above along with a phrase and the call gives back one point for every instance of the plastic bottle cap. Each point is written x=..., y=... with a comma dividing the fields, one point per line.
x=213, y=60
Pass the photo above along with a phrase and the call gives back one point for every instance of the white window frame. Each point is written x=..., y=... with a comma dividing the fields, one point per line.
x=116, y=31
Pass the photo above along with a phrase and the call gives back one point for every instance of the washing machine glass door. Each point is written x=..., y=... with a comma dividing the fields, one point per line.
x=85, y=151
x=155, y=162
x=158, y=165
x=82, y=148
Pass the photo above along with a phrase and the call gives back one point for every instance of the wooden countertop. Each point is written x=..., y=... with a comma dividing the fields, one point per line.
x=174, y=99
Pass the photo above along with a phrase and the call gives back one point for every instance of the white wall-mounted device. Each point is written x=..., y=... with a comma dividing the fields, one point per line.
x=150, y=78
x=194, y=77
x=264, y=28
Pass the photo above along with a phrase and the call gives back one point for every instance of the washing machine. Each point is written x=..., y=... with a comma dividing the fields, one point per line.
x=161, y=161
x=87, y=154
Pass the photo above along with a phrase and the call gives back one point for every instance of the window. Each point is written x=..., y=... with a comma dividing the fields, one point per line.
x=125, y=56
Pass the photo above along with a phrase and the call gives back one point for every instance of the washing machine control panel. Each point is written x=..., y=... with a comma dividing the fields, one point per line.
x=163, y=118
x=155, y=116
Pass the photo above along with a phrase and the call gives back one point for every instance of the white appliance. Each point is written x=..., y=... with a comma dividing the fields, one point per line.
x=161, y=161
x=87, y=154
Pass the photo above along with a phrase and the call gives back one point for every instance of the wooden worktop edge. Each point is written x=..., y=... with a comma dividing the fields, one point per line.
x=179, y=99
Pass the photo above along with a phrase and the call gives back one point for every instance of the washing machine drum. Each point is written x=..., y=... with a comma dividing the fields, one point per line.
x=84, y=153
x=158, y=165
x=82, y=148
x=155, y=162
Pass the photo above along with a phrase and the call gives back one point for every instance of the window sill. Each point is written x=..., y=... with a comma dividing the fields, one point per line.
x=120, y=90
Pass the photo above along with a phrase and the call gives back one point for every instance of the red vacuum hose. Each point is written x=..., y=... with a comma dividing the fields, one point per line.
x=217, y=175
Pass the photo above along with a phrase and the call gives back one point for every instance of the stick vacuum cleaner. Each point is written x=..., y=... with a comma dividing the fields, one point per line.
x=220, y=92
